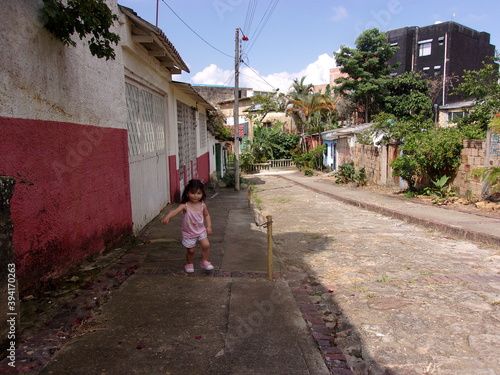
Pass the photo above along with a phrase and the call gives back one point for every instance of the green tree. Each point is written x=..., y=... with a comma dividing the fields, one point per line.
x=389, y=128
x=284, y=144
x=483, y=87
x=300, y=88
x=269, y=143
x=367, y=69
x=264, y=103
x=408, y=97
x=408, y=109
x=86, y=18
x=312, y=111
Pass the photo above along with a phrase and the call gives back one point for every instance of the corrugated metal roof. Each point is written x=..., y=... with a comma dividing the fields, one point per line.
x=344, y=132
x=464, y=104
x=190, y=91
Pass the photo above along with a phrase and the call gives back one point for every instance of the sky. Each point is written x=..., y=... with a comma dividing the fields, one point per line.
x=291, y=39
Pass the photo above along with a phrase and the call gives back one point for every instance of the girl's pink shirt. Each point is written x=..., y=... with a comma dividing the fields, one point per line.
x=192, y=222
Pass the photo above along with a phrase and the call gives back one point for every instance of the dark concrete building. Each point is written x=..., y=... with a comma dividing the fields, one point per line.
x=440, y=52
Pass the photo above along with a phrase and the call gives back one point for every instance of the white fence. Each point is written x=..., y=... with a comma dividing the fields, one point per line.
x=271, y=165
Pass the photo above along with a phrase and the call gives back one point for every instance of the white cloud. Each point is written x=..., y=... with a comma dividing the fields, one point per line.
x=340, y=13
x=317, y=73
x=213, y=75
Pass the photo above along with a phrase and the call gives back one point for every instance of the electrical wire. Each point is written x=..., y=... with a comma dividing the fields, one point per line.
x=251, y=78
x=198, y=35
x=265, y=18
x=252, y=5
x=248, y=23
x=258, y=75
x=228, y=81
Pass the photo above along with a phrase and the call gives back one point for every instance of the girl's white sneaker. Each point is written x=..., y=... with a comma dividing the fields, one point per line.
x=207, y=265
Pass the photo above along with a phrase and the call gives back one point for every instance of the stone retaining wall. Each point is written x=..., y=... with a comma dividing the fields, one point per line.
x=467, y=184
x=369, y=157
x=474, y=155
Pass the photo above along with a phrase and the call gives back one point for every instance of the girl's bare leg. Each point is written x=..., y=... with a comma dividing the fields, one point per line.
x=205, y=249
x=189, y=255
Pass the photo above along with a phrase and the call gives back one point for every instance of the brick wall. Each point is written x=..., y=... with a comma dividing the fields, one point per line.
x=369, y=157
x=472, y=157
x=465, y=183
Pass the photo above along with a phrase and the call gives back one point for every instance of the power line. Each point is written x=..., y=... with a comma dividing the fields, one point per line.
x=198, y=35
x=258, y=75
x=252, y=5
x=265, y=18
x=249, y=19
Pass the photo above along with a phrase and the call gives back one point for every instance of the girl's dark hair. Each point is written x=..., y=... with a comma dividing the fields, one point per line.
x=193, y=186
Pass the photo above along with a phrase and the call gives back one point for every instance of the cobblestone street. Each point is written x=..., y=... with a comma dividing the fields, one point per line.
x=406, y=299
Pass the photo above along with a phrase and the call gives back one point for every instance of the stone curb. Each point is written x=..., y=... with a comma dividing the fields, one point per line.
x=333, y=356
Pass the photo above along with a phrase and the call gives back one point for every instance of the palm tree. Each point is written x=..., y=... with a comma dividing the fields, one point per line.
x=310, y=110
x=300, y=88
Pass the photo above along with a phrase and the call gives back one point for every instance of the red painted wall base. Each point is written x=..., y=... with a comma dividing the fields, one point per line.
x=72, y=197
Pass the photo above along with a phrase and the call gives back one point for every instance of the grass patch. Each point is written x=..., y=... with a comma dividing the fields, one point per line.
x=383, y=279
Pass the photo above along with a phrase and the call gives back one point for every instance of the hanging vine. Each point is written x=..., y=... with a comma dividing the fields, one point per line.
x=85, y=18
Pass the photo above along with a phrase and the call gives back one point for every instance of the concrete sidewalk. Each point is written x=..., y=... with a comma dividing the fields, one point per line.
x=476, y=227
x=232, y=320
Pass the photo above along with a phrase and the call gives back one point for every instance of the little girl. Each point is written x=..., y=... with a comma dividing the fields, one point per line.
x=193, y=229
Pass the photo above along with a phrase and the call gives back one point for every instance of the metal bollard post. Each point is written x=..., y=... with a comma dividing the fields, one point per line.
x=270, y=247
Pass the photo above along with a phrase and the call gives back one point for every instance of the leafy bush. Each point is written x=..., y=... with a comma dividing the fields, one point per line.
x=246, y=159
x=285, y=143
x=360, y=177
x=217, y=120
x=492, y=177
x=271, y=143
x=230, y=181
x=440, y=188
x=435, y=153
x=347, y=173
x=312, y=159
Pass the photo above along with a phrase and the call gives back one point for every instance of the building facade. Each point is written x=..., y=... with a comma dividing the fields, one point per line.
x=440, y=52
x=98, y=147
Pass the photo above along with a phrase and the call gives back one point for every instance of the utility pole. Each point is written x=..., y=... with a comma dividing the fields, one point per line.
x=236, y=113
x=157, y=6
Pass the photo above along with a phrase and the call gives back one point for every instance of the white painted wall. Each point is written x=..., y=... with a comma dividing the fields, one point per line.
x=149, y=175
x=42, y=79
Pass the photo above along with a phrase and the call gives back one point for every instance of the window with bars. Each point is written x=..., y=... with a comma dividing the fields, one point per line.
x=186, y=139
x=203, y=130
x=145, y=120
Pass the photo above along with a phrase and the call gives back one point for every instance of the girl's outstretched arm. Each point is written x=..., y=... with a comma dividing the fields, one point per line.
x=171, y=214
x=208, y=220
